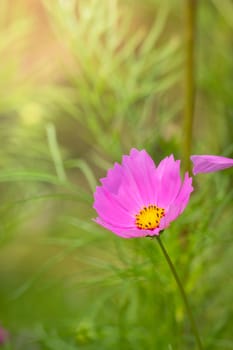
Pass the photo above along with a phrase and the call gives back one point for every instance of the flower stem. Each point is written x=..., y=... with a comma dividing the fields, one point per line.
x=189, y=84
x=182, y=292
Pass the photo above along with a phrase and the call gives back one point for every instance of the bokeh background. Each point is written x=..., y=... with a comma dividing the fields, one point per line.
x=81, y=83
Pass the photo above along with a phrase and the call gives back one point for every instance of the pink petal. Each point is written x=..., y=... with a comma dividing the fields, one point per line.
x=110, y=210
x=180, y=203
x=126, y=232
x=168, y=181
x=119, y=181
x=113, y=179
x=141, y=169
x=208, y=163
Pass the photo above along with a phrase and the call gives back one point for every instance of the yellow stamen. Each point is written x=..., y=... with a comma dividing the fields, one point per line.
x=149, y=217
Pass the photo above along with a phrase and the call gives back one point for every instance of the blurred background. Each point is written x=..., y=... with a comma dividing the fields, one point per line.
x=81, y=83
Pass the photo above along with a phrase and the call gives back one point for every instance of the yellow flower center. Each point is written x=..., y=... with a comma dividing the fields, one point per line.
x=149, y=217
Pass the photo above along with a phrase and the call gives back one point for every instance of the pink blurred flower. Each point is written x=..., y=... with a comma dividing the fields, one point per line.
x=139, y=199
x=4, y=335
x=208, y=164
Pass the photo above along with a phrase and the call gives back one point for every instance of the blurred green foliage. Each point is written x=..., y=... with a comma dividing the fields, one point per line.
x=116, y=83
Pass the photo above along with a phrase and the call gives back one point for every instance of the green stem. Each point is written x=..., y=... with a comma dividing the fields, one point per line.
x=182, y=292
x=189, y=98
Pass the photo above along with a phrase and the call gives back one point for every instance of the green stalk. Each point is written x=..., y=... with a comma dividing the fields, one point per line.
x=189, y=84
x=183, y=294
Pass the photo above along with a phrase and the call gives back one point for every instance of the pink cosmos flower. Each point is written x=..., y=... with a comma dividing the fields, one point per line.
x=208, y=164
x=139, y=199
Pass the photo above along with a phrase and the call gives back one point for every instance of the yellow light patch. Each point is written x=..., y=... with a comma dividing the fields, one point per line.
x=149, y=217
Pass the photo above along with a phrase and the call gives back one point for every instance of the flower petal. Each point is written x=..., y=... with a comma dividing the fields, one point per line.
x=169, y=181
x=127, y=232
x=141, y=168
x=208, y=163
x=113, y=179
x=110, y=210
x=180, y=203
